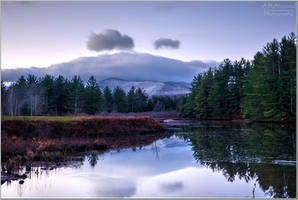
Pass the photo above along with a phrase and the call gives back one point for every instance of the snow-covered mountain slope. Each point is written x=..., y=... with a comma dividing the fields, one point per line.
x=152, y=88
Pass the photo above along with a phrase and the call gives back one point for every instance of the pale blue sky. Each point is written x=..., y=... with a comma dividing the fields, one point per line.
x=43, y=33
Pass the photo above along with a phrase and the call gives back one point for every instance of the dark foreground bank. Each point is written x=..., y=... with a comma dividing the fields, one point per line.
x=29, y=140
x=77, y=126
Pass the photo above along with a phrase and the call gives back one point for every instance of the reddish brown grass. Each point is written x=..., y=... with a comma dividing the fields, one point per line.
x=27, y=140
x=93, y=125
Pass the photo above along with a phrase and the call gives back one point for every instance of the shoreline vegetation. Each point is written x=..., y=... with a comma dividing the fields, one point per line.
x=263, y=89
x=52, y=126
x=27, y=140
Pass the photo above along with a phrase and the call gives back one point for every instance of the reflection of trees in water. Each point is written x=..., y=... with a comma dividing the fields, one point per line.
x=155, y=150
x=277, y=180
x=133, y=141
x=231, y=170
x=92, y=158
x=20, y=190
x=236, y=151
x=276, y=141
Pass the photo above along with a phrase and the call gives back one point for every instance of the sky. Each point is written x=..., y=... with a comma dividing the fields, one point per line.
x=40, y=34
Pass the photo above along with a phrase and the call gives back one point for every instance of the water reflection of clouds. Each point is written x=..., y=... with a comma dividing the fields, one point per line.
x=143, y=162
x=114, y=187
x=124, y=181
x=171, y=187
x=59, y=183
x=193, y=182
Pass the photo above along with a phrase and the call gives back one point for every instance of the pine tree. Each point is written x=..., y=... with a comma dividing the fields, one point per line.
x=21, y=90
x=76, y=94
x=48, y=85
x=150, y=105
x=183, y=105
x=270, y=86
x=93, y=98
x=131, y=100
x=288, y=75
x=140, y=100
x=33, y=93
x=61, y=96
x=189, y=106
x=108, y=96
x=202, y=107
x=3, y=98
x=120, y=100
x=239, y=71
x=254, y=88
x=216, y=97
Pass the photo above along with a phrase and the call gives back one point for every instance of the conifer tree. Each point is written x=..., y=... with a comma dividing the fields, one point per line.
x=140, y=100
x=61, y=98
x=76, y=94
x=108, y=96
x=3, y=98
x=93, y=98
x=33, y=94
x=120, y=100
x=49, y=91
x=131, y=100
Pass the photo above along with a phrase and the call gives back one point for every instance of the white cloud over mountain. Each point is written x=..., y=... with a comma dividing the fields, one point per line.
x=125, y=65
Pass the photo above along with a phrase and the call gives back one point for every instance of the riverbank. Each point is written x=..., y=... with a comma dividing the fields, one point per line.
x=51, y=127
x=25, y=140
x=20, y=154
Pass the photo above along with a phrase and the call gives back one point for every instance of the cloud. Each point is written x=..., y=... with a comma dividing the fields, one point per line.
x=166, y=43
x=172, y=187
x=109, y=40
x=113, y=187
x=124, y=65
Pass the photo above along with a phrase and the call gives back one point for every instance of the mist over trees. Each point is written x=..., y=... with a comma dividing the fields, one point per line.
x=263, y=89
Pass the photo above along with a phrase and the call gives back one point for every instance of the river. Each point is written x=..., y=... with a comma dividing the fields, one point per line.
x=194, y=159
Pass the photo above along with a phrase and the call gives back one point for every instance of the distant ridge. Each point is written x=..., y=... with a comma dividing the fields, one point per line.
x=152, y=88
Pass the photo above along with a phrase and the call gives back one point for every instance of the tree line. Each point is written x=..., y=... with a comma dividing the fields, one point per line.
x=50, y=95
x=262, y=89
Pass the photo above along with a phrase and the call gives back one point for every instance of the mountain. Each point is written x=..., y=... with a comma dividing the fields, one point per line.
x=124, y=65
x=152, y=88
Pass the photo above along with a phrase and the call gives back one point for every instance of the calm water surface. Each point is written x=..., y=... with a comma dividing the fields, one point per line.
x=194, y=160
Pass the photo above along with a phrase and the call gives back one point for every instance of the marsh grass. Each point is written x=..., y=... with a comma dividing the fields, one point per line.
x=45, y=118
x=45, y=126
x=51, y=138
